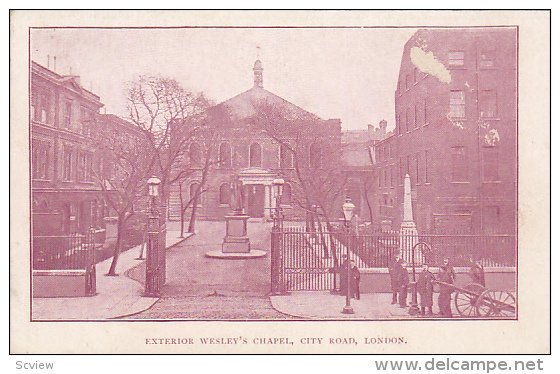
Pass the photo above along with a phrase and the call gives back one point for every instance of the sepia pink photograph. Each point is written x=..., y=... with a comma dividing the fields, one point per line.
x=270, y=174
x=280, y=182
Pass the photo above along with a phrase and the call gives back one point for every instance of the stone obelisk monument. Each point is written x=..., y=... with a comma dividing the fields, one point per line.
x=408, y=231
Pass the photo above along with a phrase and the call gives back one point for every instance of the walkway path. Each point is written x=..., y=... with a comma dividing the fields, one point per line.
x=199, y=287
x=116, y=296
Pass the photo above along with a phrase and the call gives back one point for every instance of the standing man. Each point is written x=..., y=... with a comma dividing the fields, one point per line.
x=477, y=272
x=426, y=290
x=403, y=282
x=446, y=275
x=394, y=265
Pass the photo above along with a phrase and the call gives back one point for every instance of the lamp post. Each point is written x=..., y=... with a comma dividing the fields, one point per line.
x=348, y=210
x=413, y=310
x=153, y=256
x=278, y=190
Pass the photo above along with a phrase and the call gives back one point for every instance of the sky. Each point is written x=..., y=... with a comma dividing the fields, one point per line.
x=349, y=74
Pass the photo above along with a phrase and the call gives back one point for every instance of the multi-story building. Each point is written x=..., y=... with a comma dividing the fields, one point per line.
x=254, y=157
x=65, y=197
x=358, y=160
x=456, y=133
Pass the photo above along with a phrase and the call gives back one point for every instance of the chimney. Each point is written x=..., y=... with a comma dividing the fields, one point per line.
x=383, y=126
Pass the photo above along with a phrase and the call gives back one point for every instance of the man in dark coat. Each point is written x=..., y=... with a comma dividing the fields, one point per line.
x=394, y=270
x=446, y=275
x=477, y=272
x=403, y=282
x=426, y=290
x=355, y=279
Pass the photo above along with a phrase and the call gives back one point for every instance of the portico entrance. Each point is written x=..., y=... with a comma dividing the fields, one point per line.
x=257, y=191
x=255, y=200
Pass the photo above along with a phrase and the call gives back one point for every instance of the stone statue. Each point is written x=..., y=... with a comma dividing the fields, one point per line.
x=236, y=197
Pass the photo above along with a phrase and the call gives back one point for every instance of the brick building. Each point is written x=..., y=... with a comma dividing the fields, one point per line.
x=455, y=135
x=253, y=157
x=65, y=197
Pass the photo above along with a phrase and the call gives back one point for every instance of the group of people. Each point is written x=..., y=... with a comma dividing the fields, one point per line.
x=425, y=284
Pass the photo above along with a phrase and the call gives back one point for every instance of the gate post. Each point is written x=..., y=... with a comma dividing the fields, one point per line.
x=277, y=284
x=155, y=248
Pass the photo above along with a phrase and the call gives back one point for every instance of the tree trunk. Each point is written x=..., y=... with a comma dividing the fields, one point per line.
x=118, y=244
x=182, y=201
x=193, y=214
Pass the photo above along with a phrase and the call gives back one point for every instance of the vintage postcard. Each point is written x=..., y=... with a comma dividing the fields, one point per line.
x=280, y=182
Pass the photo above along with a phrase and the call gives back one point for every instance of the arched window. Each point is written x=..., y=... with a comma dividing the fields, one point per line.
x=286, y=198
x=315, y=156
x=224, y=194
x=225, y=155
x=255, y=155
x=286, y=157
x=193, y=190
x=195, y=155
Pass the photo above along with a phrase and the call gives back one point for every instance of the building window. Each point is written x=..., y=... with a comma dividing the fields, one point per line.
x=195, y=155
x=408, y=120
x=457, y=104
x=417, y=167
x=491, y=219
x=224, y=194
x=286, y=157
x=401, y=170
x=194, y=193
x=385, y=178
x=255, y=155
x=488, y=104
x=85, y=120
x=40, y=107
x=81, y=167
x=392, y=183
x=407, y=81
x=426, y=112
x=426, y=163
x=67, y=118
x=67, y=164
x=490, y=160
x=487, y=59
x=286, y=197
x=40, y=161
x=315, y=156
x=456, y=58
x=399, y=124
x=459, y=164
x=225, y=155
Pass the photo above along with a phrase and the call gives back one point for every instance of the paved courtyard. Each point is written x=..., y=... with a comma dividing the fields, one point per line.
x=199, y=287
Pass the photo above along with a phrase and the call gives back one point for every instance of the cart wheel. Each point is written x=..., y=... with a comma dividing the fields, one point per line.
x=496, y=304
x=465, y=301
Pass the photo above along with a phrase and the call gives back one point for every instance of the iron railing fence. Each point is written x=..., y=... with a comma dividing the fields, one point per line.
x=376, y=249
x=63, y=252
x=311, y=260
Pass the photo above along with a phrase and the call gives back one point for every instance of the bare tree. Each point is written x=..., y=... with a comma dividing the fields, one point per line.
x=169, y=116
x=315, y=150
x=121, y=174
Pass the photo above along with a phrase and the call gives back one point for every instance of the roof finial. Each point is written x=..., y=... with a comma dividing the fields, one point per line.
x=258, y=51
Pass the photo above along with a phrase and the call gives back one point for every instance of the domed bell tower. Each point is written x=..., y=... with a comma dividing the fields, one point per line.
x=258, y=74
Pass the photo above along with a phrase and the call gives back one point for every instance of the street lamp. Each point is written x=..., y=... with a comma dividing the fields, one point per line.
x=153, y=190
x=278, y=190
x=413, y=310
x=348, y=210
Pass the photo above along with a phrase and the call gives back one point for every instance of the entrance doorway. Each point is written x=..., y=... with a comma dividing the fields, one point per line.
x=255, y=200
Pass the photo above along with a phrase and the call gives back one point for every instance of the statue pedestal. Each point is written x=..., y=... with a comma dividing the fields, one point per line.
x=236, y=239
x=236, y=244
